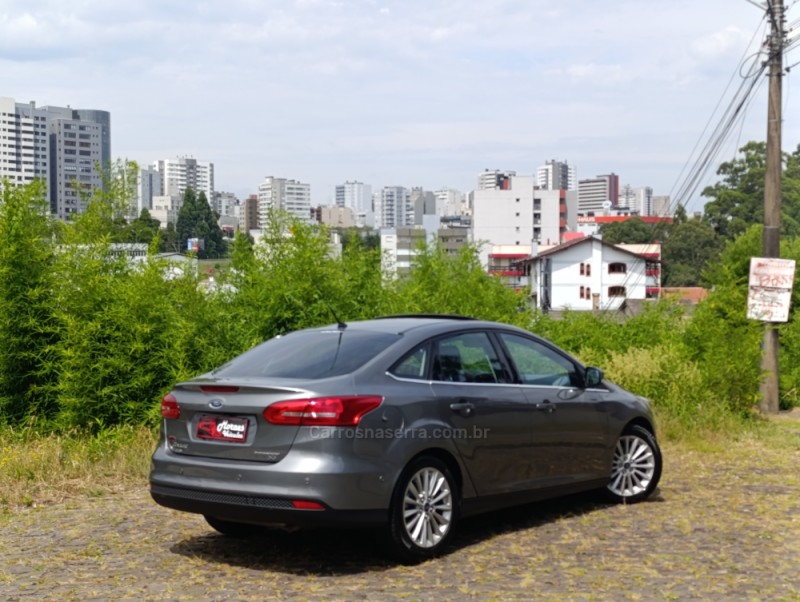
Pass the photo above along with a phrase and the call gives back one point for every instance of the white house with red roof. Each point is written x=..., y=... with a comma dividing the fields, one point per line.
x=587, y=274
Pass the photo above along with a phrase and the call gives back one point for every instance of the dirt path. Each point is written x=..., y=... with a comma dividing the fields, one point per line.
x=723, y=527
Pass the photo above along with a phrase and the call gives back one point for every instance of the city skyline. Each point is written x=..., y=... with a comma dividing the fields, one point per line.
x=391, y=94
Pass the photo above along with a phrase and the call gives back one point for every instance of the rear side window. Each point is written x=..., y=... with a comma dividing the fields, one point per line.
x=309, y=355
x=413, y=365
x=468, y=357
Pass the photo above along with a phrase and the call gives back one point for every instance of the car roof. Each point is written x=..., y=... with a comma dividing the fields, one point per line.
x=431, y=323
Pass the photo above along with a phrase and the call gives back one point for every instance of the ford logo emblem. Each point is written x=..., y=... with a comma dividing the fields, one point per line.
x=216, y=403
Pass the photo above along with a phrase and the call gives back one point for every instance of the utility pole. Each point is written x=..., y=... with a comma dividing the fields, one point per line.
x=770, y=391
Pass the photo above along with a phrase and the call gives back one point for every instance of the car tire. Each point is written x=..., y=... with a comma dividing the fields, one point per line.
x=230, y=528
x=635, y=467
x=424, y=510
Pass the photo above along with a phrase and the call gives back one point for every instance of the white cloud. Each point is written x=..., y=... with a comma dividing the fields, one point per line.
x=721, y=43
x=599, y=75
x=407, y=91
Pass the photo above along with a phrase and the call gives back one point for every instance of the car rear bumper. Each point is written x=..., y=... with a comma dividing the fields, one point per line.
x=263, y=493
x=260, y=510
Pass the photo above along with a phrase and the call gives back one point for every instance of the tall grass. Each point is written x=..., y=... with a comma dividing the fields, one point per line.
x=38, y=468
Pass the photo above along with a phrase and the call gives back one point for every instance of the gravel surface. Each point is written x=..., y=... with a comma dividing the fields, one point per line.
x=723, y=526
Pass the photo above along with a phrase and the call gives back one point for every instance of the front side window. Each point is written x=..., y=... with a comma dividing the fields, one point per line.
x=616, y=291
x=617, y=268
x=538, y=364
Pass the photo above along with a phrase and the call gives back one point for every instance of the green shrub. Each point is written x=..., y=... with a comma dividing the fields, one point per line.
x=684, y=403
x=27, y=328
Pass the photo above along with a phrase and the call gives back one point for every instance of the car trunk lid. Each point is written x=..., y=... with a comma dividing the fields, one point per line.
x=225, y=420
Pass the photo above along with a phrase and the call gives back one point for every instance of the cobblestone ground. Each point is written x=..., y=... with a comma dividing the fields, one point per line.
x=723, y=527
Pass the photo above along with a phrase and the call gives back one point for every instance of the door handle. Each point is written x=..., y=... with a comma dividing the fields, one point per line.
x=546, y=406
x=463, y=408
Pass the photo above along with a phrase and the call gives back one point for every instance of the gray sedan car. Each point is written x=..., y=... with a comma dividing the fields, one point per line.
x=403, y=424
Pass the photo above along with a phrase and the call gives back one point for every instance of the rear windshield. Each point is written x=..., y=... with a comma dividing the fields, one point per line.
x=309, y=355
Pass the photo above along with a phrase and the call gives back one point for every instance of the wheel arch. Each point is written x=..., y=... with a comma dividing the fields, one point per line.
x=642, y=422
x=449, y=459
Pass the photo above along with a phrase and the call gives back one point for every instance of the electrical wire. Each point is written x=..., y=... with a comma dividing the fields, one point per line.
x=750, y=70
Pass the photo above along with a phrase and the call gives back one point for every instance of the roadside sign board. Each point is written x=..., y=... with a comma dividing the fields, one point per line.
x=771, y=281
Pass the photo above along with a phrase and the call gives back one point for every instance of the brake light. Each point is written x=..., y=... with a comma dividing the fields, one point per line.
x=322, y=411
x=169, y=407
x=307, y=505
x=218, y=389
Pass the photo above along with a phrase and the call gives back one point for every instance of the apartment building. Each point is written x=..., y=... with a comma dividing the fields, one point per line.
x=492, y=179
x=598, y=194
x=185, y=172
x=449, y=202
x=148, y=185
x=358, y=197
x=520, y=214
x=285, y=196
x=557, y=175
x=334, y=216
x=393, y=208
x=62, y=146
x=248, y=214
x=23, y=142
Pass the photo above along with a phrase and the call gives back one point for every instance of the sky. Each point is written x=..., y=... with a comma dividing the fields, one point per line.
x=398, y=92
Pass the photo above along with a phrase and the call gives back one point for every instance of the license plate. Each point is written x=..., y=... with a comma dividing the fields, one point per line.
x=217, y=427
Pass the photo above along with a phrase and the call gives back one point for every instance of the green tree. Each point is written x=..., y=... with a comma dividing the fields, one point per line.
x=630, y=231
x=143, y=229
x=118, y=349
x=737, y=200
x=108, y=207
x=363, y=238
x=443, y=283
x=169, y=242
x=719, y=337
x=196, y=220
x=687, y=250
x=27, y=328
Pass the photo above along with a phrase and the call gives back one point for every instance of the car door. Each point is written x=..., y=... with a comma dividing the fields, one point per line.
x=488, y=415
x=569, y=423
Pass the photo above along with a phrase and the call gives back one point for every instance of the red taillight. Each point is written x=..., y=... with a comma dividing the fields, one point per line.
x=169, y=407
x=306, y=505
x=322, y=411
x=218, y=389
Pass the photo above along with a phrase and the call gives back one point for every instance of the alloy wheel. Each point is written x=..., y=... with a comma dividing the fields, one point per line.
x=427, y=507
x=633, y=467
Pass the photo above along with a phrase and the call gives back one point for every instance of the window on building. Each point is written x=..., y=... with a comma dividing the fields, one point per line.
x=583, y=292
x=616, y=291
x=588, y=292
x=588, y=269
x=617, y=268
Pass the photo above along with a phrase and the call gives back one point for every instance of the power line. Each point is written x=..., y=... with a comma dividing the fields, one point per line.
x=750, y=69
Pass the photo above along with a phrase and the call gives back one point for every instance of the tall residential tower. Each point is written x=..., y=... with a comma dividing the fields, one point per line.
x=66, y=148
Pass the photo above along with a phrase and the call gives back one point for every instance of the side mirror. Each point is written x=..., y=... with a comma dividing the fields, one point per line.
x=592, y=377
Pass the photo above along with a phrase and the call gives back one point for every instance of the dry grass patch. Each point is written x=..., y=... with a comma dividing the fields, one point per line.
x=40, y=469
